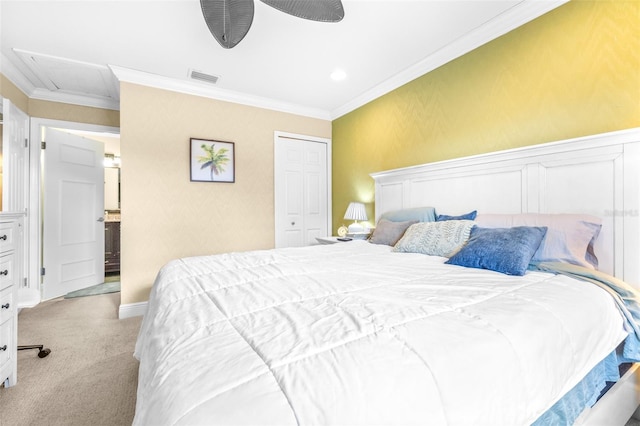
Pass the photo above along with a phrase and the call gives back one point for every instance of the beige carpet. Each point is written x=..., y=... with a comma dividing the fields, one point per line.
x=89, y=378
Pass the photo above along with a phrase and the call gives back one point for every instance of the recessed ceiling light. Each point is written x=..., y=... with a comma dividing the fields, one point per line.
x=338, y=75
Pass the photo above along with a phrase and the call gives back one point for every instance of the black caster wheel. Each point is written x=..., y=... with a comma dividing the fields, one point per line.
x=44, y=352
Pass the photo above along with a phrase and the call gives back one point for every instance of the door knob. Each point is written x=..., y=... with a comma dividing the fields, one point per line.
x=101, y=219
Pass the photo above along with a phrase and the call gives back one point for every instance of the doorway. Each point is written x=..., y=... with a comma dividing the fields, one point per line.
x=112, y=188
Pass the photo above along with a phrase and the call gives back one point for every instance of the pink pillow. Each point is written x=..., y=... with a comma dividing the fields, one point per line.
x=569, y=238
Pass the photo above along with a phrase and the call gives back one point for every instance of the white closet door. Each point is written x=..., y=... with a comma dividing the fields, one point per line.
x=302, y=190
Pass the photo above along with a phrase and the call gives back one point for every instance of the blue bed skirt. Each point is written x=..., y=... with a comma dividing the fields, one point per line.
x=585, y=394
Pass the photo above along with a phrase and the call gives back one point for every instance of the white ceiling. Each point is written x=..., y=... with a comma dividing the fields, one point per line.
x=69, y=50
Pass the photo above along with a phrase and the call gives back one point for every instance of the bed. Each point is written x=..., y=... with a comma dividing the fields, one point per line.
x=393, y=333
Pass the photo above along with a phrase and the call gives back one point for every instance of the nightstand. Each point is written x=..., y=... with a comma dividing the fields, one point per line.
x=328, y=240
x=359, y=235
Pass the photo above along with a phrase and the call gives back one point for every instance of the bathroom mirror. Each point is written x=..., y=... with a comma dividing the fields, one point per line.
x=112, y=188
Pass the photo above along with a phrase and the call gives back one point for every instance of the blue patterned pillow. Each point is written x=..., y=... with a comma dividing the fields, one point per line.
x=506, y=250
x=467, y=216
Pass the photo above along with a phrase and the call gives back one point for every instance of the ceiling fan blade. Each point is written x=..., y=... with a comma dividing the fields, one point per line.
x=228, y=20
x=315, y=10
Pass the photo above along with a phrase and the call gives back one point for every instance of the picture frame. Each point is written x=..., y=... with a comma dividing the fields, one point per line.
x=212, y=161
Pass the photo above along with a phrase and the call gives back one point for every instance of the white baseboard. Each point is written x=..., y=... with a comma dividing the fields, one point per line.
x=132, y=310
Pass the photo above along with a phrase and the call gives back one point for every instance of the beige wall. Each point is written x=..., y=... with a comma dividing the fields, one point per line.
x=75, y=113
x=164, y=215
x=572, y=72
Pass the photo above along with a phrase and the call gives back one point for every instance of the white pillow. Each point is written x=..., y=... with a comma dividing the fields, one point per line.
x=569, y=237
x=443, y=238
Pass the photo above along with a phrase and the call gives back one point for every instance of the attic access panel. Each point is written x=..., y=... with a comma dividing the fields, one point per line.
x=69, y=76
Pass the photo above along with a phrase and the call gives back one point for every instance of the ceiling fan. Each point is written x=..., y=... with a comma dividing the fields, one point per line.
x=229, y=20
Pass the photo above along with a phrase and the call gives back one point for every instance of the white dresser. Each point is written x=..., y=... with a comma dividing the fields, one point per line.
x=11, y=230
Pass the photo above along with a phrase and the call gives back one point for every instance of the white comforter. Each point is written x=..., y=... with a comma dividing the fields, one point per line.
x=353, y=334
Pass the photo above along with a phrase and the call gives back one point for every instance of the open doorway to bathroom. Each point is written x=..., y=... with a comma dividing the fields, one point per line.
x=112, y=212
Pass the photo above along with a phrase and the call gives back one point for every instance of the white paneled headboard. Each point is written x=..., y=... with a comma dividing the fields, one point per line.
x=597, y=175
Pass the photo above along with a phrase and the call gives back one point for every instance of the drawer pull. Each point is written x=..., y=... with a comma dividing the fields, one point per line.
x=5, y=306
x=3, y=348
x=5, y=272
x=4, y=237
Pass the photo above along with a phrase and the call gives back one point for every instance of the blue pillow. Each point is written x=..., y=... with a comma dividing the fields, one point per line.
x=506, y=250
x=468, y=216
x=419, y=214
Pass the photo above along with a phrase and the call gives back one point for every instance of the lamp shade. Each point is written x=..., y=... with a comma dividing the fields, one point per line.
x=355, y=211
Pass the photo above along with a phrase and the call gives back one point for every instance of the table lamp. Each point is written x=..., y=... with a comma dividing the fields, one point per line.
x=355, y=212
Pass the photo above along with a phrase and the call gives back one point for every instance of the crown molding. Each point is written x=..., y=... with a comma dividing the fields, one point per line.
x=200, y=89
x=518, y=15
x=68, y=98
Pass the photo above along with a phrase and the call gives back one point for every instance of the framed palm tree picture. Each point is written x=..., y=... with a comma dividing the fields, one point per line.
x=212, y=161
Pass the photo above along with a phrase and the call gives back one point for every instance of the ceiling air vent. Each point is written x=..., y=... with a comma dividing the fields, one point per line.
x=207, y=78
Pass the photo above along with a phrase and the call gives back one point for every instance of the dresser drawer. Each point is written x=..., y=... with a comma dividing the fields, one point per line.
x=8, y=236
x=7, y=307
x=7, y=266
x=7, y=345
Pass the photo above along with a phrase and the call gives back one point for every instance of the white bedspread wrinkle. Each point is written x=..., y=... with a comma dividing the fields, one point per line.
x=354, y=334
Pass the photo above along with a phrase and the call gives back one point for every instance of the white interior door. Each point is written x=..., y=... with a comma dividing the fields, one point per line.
x=73, y=232
x=15, y=159
x=301, y=191
x=15, y=194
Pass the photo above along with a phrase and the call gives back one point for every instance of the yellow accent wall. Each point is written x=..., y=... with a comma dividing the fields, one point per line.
x=166, y=216
x=572, y=72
